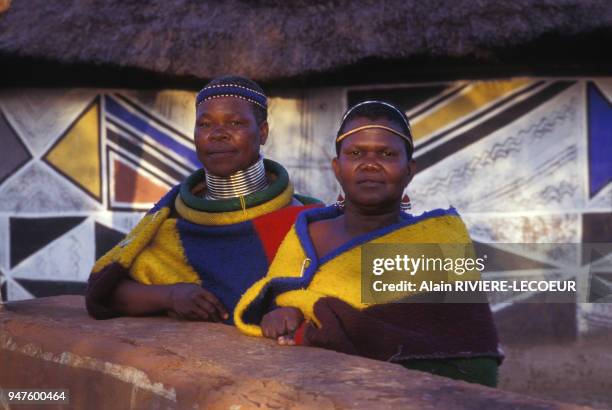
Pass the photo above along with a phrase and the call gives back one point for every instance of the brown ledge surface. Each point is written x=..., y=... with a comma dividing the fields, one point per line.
x=160, y=362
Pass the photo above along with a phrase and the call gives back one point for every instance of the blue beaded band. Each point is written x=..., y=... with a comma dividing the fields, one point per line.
x=232, y=90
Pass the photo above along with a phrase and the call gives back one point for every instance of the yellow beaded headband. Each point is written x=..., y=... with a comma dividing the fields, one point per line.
x=407, y=137
x=370, y=126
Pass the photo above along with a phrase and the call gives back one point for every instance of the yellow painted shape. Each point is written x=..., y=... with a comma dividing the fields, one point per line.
x=77, y=154
x=473, y=98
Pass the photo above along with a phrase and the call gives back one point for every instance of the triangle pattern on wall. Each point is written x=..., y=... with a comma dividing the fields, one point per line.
x=76, y=154
x=28, y=235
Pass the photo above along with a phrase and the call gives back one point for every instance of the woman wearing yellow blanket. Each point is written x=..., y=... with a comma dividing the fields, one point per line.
x=312, y=292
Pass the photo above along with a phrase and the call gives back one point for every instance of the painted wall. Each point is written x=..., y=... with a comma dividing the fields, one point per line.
x=524, y=160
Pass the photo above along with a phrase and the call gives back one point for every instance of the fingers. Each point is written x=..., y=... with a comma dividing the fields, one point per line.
x=292, y=323
x=196, y=312
x=281, y=322
x=286, y=340
x=221, y=311
x=267, y=326
x=273, y=324
x=209, y=308
x=190, y=301
x=274, y=331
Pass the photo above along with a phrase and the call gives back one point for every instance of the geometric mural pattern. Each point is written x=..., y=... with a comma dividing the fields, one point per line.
x=76, y=153
x=14, y=154
x=524, y=160
x=70, y=195
x=599, y=112
x=144, y=156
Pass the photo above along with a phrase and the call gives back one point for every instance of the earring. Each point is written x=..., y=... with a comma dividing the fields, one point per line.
x=340, y=202
x=405, y=205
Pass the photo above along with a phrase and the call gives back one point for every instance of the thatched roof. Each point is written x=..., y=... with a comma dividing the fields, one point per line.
x=276, y=39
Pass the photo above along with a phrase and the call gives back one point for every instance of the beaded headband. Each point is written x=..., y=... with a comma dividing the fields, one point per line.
x=386, y=104
x=232, y=90
x=408, y=137
x=370, y=126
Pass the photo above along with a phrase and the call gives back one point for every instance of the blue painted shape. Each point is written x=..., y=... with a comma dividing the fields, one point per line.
x=600, y=139
x=135, y=121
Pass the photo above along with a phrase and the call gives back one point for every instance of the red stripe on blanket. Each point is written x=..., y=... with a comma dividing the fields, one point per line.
x=298, y=336
x=273, y=227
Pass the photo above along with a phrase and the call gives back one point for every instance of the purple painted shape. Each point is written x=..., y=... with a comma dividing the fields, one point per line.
x=13, y=154
x=600, y=140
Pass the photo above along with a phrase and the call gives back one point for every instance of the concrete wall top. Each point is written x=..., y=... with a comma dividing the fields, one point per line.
x=158, y=362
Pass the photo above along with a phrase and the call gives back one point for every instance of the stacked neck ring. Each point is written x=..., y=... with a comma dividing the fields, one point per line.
x=242, y=183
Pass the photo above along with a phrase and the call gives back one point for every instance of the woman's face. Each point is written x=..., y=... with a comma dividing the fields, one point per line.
x=372, y=166
x=227, y=137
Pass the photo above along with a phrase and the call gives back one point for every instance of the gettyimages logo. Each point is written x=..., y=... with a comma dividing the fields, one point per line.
x=495, y=273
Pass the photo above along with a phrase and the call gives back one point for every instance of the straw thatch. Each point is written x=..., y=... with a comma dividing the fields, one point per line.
x=275, y=39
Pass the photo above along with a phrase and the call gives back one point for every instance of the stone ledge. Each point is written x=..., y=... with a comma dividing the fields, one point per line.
x=160, y=362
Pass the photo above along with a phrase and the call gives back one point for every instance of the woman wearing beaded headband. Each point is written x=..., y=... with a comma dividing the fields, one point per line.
x=389, y=119
x=211, y=237
x=316, y=280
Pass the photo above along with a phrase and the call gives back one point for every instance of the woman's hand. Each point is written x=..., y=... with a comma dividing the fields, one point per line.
x=286, y=340
x=281, y=322
x=191, y=301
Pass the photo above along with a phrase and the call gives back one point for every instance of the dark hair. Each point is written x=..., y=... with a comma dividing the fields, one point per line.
x=261, y=114
x=375, y=110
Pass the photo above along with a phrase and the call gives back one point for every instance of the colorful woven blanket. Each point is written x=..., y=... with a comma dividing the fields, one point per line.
x=224, y=245
x=328, y=292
